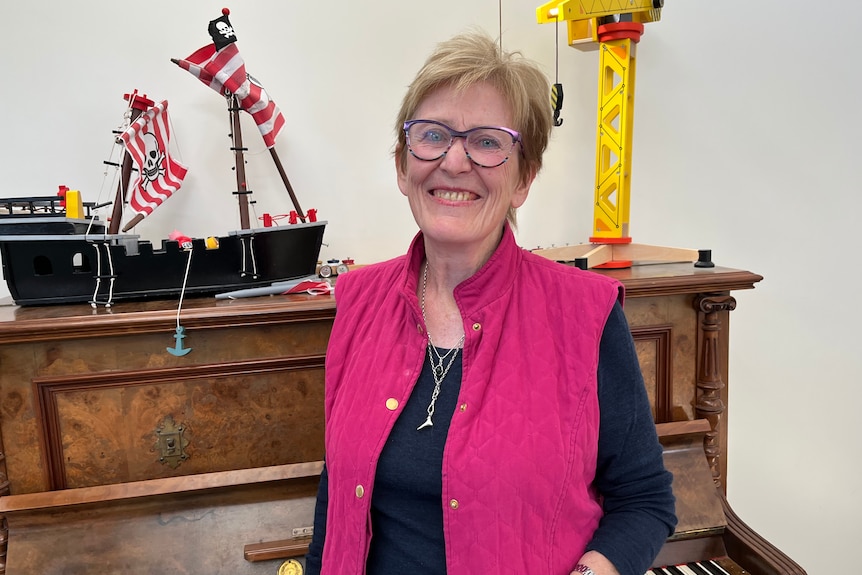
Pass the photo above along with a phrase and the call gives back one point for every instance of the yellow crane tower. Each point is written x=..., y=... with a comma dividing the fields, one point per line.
x=614, y=27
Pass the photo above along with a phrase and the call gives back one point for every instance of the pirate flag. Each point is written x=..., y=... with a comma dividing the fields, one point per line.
x=221, y=31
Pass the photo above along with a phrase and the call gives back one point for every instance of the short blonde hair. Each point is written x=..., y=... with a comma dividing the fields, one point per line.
x=474, y=57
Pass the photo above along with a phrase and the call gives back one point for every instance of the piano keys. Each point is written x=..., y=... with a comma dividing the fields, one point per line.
x=712, y=567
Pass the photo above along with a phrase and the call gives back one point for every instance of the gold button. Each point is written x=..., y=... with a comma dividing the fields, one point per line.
x=463, y=407
x=360, y=491
x=477, y=326
x=290, y=567
x=391, y=404
x=453, y=503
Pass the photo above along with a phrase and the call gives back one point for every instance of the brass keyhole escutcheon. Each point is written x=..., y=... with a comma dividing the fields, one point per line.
x=171, y=443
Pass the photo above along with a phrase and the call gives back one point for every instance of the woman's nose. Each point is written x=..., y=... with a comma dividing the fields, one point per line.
x=456, y=159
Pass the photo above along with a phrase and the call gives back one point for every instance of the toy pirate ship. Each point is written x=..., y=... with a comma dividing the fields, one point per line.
x=56, y=250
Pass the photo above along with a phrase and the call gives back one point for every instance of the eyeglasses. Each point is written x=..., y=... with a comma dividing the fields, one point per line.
x=486, y=146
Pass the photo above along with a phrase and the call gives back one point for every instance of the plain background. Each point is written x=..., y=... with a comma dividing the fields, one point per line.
x=745, y=142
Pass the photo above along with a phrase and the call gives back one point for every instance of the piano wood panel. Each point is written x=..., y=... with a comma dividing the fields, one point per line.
x=199, y=525
x=100, y=428
x=84, y=391
x=653, y=346
x=676, y=320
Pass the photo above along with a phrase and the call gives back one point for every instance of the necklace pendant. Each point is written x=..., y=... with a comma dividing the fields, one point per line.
x=428, y=423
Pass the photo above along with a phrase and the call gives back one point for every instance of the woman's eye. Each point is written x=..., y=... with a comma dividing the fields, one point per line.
x=433, y=136
x=488, y=143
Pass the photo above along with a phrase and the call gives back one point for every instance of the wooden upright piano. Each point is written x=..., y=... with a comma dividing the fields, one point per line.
x=117, y=456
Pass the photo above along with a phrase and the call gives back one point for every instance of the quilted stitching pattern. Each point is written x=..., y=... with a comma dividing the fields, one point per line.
x=520, y=457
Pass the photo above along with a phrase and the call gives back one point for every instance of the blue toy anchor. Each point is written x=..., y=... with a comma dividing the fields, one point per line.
x=179, y=350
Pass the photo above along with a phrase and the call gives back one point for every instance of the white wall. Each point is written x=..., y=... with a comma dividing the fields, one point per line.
x=745, y=142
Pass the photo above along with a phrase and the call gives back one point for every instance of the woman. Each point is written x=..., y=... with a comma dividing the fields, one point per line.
x=485, y=411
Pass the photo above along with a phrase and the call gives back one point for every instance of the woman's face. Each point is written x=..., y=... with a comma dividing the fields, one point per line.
x=453, y=200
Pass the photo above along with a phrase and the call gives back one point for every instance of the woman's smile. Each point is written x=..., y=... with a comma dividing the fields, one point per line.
x=453, y=195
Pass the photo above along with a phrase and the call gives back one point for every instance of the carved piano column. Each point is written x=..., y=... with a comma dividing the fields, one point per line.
x=709, y=403
x=4, y=490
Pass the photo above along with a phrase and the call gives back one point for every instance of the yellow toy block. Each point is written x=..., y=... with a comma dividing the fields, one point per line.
x=74, y=205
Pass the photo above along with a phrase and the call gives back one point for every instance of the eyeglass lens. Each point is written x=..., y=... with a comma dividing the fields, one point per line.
x=487, y=147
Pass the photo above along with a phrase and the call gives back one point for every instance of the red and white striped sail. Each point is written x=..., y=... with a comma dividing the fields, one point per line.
x=147, y=141
x=224, y=70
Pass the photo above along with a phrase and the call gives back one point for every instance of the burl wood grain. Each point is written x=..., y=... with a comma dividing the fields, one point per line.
x=81, y=408
x=665, y=333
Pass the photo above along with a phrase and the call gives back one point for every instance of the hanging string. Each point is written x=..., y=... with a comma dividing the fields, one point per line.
x=183, y=290
x=175, y=141
x=179, y=350
x=557, y=88
x=557, y=47
x=500, y=22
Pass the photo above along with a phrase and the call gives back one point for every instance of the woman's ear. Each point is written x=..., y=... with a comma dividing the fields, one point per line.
x=523, y=189
x=399, y=169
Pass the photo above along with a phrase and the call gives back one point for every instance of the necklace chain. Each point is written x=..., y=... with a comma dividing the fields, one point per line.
x=434, y=358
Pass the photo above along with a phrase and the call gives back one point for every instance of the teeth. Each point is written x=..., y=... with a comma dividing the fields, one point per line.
x=453, y=196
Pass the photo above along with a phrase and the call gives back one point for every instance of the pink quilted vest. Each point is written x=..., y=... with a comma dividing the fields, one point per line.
x=520, y=455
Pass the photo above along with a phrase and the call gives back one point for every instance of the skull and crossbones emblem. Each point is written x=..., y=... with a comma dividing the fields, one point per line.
x=154, y=159
x=225, y=30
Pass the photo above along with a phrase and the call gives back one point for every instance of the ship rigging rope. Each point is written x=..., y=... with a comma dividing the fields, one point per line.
x=250, y=249
x=116, y=178
x=110, y=263
x=95, y=302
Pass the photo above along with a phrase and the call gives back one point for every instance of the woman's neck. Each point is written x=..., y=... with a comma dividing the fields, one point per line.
x=442, y=317
x=445, y=267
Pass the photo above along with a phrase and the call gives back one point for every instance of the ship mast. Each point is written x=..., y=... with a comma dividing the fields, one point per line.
x=242, y=190
x=239, y=160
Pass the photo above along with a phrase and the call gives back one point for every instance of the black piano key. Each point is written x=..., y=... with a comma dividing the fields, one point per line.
x=705, y=568
x=714, y=568
x=708, y=569
x=698, y=568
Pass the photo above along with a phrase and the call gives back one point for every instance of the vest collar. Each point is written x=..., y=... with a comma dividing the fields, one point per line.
x=492, y=280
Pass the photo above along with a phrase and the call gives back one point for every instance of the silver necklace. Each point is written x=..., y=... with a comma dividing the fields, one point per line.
x=437, y=370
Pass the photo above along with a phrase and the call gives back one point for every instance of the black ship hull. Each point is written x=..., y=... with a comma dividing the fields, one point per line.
x=102, y=269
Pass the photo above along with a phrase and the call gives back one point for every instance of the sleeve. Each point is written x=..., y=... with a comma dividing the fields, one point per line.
x=637, y=497
x=314, y=558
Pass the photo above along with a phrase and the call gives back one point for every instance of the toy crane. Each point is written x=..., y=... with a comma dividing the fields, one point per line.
x=614, y=27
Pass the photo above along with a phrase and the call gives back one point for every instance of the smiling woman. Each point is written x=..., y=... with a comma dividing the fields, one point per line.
x=473, y=223
x=505, y=423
